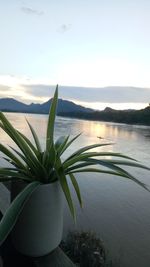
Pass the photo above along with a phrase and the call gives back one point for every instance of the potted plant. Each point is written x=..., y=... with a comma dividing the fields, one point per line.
x=35, y=216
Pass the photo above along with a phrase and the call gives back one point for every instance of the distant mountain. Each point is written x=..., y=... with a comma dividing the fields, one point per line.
x=108, y=109
x=70, y=109
x=12, y=105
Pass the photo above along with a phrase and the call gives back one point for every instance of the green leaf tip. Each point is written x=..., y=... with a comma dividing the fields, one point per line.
x=51, y=120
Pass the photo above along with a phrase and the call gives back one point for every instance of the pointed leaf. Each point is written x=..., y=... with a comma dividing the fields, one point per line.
x=127, y=163
x=51, y=120
x=69, y=143
x=77, y=166
x=108, y=165
x=84, y=156
x=110, y=172
x=9, y=173
x=20, y=142
x=63, y=181
x=10, y=217
x=84, y=149
x=76, y=187
x=66, y=190
x=11, y=156
x=29, y=143
x=61, y=143
x=37, y=142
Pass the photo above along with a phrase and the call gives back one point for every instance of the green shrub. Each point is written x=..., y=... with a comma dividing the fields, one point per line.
x=86, y=250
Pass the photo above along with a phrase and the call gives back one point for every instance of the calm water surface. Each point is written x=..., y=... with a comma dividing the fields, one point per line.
x=117, y=209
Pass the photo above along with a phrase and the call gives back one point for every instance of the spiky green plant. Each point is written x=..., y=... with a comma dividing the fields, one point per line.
x=35, y=166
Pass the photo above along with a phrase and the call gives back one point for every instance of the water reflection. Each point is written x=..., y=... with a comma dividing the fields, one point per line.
x=106, y=130
x=128, y=139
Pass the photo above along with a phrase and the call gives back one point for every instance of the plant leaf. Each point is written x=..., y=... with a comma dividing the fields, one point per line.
x=60, y=144
x=66, y=190
x=11, y=156
x=69, y=143
x=127, y=163
x=10, y=217
x=84, y=149
x=29, y=143
x=19, y=154
x=80, y=165
x=36, y=139
x=51, y=120
x=108, y=164
x=16, y=173
x=84, y=156
x=111, y=172
x=63, y=181
x=76, y=187
x=20, y=142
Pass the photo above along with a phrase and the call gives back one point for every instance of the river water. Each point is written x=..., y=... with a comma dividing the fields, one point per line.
x=117, y=209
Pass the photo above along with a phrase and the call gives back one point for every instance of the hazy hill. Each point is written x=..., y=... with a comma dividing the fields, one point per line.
x=12, y=105
x=70, y=109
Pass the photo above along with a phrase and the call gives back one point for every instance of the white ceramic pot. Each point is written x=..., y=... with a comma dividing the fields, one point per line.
x=38, y=230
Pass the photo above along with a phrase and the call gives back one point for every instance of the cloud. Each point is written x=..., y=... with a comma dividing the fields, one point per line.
x=31, y=11
x=39, y=90
x=84, y=94
x=5, y=91
x=30, y=90
x=64, y=28
x=4, y=88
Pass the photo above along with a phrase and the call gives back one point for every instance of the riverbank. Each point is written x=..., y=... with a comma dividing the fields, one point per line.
x=139, y=117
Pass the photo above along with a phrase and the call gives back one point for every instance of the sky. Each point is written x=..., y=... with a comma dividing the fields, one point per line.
x=98, y=51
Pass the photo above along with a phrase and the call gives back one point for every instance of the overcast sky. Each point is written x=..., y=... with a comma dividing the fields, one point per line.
x=84, y=43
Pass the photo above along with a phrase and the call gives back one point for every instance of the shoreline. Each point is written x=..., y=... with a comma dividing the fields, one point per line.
x=80, y=116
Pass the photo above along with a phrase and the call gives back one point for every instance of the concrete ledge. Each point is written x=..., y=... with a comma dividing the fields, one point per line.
x=55, y=259
x=11, y=257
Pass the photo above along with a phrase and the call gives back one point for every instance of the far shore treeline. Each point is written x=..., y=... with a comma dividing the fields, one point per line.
x=70, y=109
x=120, y=116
